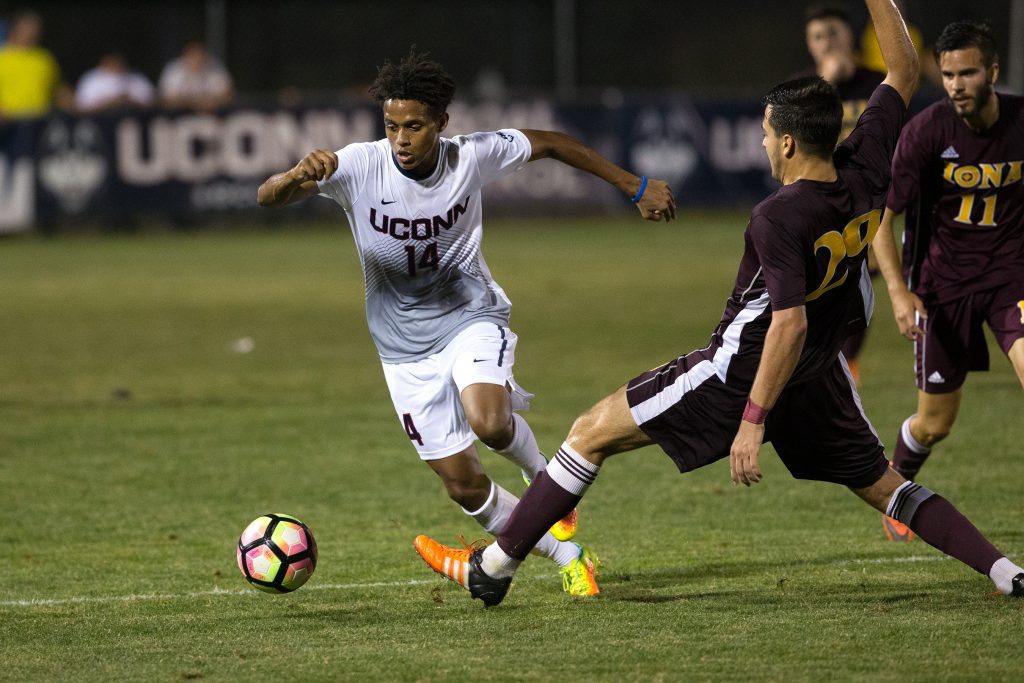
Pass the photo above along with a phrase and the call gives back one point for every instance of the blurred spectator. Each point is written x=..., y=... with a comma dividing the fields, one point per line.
x=830, y=41
x=111, y=84
x=195, y=80
x=30, y=81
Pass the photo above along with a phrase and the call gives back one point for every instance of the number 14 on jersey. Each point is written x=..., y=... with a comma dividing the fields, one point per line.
x=427, y=258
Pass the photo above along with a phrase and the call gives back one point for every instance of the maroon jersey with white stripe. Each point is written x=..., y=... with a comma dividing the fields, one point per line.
x=966, y=191
x=806, y=244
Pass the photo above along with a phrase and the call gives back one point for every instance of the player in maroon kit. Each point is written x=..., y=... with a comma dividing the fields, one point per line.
x=958, y=173
x=831, y=43
x=772, y=371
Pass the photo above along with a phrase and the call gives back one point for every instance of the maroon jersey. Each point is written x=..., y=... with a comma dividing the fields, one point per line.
x=965, y=193
x=806, y=244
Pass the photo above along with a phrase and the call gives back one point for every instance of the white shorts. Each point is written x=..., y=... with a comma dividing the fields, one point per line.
x=428, y=393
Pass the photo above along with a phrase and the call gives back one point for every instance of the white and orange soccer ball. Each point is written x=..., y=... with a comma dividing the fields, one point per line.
x=276, y=553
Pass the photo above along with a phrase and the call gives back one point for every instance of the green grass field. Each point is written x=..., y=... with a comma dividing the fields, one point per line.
x=135, y=445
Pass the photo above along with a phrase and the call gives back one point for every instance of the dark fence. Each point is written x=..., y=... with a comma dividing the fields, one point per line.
x=67, y=170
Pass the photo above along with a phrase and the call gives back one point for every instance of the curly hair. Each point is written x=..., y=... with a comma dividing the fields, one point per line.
x=961, y=35
x=414, y=78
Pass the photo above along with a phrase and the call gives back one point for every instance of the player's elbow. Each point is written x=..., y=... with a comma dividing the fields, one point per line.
x=549, y=144
x=791, y=325
x=905, y=75
x=796, y=333
x=265, y=196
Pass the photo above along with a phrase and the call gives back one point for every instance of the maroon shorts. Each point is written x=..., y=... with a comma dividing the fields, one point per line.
x=818, y=427
x=954, y=341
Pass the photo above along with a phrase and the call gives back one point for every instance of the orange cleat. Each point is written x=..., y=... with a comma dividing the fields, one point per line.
x=896, y=530
x=463, y=567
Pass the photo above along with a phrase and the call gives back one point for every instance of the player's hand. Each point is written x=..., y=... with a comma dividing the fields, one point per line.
x=316, y=165
x=836, y=68
x=657, y=202
x=908, y=308
x=743, y=455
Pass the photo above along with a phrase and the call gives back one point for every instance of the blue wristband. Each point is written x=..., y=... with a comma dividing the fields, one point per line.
x=639, y=193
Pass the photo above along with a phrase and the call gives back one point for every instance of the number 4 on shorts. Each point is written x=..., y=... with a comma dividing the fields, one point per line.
x=410, y=428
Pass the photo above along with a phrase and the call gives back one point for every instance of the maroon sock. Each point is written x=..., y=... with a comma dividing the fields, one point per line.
x=942, y=526
x=543, y=504
x=905, y=461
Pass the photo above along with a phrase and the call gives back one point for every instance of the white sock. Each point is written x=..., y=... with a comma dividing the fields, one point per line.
x=523, y=450
x=494, y=513
x=572, y=471
x=909, y=439
x=499, y=565
x=493, y=516
x=496, y=564
x=562, y=552
x=1002, y=574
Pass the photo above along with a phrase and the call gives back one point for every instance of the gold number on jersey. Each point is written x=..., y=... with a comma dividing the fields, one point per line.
x=854, y=238
x=836, y=246
x=988, y=213
x=1020, y=305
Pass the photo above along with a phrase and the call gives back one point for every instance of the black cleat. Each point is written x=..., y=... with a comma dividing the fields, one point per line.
x=463, y=567
x=492, y=591
x=1018, y=586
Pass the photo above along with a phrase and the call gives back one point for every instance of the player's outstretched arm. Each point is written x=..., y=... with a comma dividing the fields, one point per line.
x=298, y=182
x=783, y=344
x=652, y=197
x=897, y=49
x=906, y=306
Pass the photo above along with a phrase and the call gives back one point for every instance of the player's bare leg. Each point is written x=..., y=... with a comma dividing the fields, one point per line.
x=932, y=423
x=1016, y=356
x=463, y=477
x=942, y=526
x=489, y=411
x=488, y=503
x=606, y=429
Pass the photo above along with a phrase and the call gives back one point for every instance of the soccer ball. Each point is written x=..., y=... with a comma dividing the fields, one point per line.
x=276, y=553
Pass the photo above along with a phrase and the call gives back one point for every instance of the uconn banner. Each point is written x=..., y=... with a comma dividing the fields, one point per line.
x=68, y=170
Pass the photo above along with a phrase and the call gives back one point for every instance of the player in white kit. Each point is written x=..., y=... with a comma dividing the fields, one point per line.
x=438, y=318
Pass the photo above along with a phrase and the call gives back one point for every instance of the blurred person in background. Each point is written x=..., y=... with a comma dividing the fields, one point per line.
x=30, y=80
x=195, y=80
x=111, y=84
x=830, y=41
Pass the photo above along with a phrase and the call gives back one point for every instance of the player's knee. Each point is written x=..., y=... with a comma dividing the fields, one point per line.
x=494, y=429
x=470, y=493
x=932, y=429
x=588, y=433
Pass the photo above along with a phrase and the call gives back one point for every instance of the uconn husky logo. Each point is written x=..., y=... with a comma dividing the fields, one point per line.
x=417, y=228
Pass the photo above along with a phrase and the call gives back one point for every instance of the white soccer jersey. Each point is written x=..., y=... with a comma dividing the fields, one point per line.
x=419, y=240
